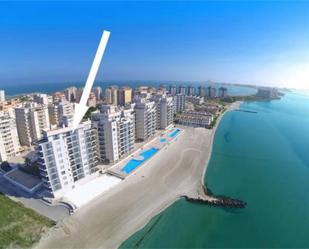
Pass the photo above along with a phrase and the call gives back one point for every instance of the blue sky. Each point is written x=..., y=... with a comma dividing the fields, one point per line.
x=259, y=42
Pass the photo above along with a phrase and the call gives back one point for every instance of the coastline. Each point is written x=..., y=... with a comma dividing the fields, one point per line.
x=118, y=214
x=232, y=107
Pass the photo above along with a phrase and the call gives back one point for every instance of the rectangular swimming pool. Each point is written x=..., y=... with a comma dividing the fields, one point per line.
x=133, y=163
x=174, y=133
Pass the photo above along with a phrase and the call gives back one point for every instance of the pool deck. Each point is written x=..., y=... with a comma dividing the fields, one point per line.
x=156, y=142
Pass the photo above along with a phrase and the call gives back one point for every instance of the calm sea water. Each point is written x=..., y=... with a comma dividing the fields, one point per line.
x=260, y=158
x=15, y=89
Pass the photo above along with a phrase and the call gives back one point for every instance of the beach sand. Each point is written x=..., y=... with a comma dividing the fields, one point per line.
x=106, y=222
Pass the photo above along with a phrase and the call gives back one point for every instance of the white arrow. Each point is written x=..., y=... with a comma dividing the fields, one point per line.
x=81, y=108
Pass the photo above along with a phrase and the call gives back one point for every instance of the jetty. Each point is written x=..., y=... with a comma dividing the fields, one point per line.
x=216, y=201
x=241, y=110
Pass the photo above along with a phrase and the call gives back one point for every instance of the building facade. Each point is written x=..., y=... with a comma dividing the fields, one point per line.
x=66, y=157
x=191, y=90
x=115, y=129
x=31, y=120
x=124, y=96
x=9, y=142
x=180, y=102
x=71, y=94
x=202, y=91
x=111, y=95
x=57, y=111
x=211, y=92
x=145, y=119
x=2, y=95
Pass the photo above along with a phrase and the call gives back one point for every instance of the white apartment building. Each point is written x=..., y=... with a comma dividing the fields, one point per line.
x=145, y=119
x=115, y=131
x=111, y=95
x=165, y=111
x=180, y=102
x=57, y=111
x=9, y=143
x=195, y=119
x=98, y=92
x=41, y=98
x=65, y=157
x=31, y=120
x=173, y=90
x=71, y=94
x=2, y=95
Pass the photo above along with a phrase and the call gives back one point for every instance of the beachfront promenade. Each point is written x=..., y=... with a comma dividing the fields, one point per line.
x=106, y=222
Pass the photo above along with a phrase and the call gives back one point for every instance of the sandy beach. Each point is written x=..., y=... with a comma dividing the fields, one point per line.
x=176, y=170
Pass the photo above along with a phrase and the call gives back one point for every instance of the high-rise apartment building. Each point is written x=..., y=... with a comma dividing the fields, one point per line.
x=124, y=96
x=173, y=90
x=65, y=157
x=145, y=119
x=211, y=92
x=2, y=95
x=191, y=90
x=165, y=111
x=58, y=97
x=111, y=95
x=41, y=98
x=57, y=111
x=115, y=131
x=9, y=142
x=222, y=92
x=31, y=120
x=71, y=94
x=180, y=101
x=202, y=91
x=98, y=92
x=182, y=90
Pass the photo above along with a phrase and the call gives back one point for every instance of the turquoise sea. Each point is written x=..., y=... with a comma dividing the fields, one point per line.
x=260, y=158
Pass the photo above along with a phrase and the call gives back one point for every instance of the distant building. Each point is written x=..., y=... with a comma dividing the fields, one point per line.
x=173, y=90
x=31, y=120
x=9, y=142
x=41, y=98
x=191, y=91
x=222, y=92
x=202, y=91
x=79, y=94
x=180, y=102
x=145, y=119
x=124, y=96
x=57, y=111
x=111, y=95
x=211, y=92
x=267, y=92
x=195, y=119
x=182, y=90
x=2, y=95
x=115, y=131
x=71, y=94
x=92, y=100
x=65, y=157
x=196, y=100
x=59, y=97
x=98, y=92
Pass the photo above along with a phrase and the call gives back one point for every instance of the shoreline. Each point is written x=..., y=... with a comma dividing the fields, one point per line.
x=115, y=216
x=232, y=107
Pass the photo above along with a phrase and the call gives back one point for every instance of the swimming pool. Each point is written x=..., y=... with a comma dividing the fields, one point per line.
x=174, y=133
x=133, y=163
x=162, y=140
